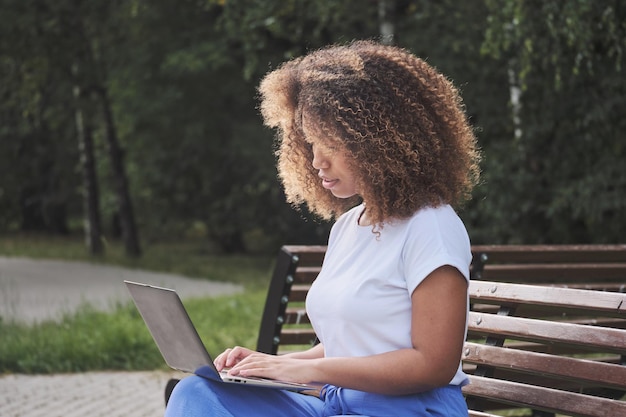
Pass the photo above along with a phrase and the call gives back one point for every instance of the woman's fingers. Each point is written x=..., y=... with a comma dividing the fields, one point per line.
x=220, y=360
x=230, y=357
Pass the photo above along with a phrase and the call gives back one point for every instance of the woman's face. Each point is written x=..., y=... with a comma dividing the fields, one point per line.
x=332, y=166
x=334, y=171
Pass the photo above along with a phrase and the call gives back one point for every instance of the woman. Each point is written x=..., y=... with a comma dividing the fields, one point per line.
x=375, y=137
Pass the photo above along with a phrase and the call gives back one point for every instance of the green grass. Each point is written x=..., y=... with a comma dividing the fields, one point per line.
x=93, y=340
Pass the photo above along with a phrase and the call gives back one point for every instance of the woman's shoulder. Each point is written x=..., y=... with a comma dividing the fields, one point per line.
x=435, y=216
x=437, y=227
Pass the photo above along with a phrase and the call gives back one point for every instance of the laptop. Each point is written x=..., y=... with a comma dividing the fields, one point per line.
x=176, y=337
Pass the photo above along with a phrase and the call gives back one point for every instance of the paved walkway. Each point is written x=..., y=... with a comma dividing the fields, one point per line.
x=36, y=290
x=91, y=394
x=32, y=291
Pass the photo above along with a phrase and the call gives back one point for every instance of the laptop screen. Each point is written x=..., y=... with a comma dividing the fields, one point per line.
x=170, y=326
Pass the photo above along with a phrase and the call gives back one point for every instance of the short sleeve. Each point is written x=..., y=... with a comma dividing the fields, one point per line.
x=435, y=237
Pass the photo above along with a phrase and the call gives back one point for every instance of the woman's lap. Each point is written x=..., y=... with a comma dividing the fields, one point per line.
x=198, y=397
x=446, y=401
x=195, y=396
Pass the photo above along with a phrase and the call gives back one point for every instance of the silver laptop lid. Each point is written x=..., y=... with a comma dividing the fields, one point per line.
x=177, y=339
x=171, y=328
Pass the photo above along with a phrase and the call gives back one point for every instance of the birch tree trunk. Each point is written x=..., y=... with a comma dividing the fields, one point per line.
x=386, y=24
x=91, y=191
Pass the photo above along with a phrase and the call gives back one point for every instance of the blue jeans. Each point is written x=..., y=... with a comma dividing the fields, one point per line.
x=195, y=396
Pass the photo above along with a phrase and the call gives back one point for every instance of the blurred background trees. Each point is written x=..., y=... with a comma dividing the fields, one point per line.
x=138, y=120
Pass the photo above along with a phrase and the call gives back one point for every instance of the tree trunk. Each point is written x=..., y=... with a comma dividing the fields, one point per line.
x=91, y=191
x=124, y=202
x=386, y=24
x=229, y=242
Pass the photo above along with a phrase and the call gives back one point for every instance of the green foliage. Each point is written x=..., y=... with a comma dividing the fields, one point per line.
x=182, y=77
x=567, y=37
x=560, y=180
x=37, y=182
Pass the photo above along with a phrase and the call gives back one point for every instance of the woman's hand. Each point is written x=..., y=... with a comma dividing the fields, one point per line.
x=231, y=357
x=283, y=368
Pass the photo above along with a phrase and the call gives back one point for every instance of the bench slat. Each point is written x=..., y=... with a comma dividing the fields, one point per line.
x=307, y=254
x=583, y=370
x=597, y=302
x=297, y=337
x=299, y=292
x=600, y=339
x=595, y=286
x=543, y=398
x=551, y=253
x=296, y=315
x=554, y=272
x=307, y=274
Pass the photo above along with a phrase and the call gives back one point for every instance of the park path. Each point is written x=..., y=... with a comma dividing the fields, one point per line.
x=36, y=290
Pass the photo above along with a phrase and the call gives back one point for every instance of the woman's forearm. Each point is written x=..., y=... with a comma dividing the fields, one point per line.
x=400, y=372
x=315, y=352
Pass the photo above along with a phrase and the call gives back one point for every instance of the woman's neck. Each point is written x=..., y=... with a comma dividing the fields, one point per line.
x=363, y=219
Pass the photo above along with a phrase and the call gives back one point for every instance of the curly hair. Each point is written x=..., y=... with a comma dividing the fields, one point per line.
x=400, y=122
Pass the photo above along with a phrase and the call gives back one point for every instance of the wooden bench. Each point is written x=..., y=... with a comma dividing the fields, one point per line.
x=554, y=347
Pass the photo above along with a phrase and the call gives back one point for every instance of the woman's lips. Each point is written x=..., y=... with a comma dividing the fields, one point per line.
x=328, y=183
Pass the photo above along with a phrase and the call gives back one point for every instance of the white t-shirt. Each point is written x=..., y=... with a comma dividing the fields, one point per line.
x=360, y=304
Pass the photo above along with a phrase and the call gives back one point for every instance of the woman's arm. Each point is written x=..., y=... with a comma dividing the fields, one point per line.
x=439, y=308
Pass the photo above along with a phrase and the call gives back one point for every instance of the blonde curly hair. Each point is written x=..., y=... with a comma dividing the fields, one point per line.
x=401, y=124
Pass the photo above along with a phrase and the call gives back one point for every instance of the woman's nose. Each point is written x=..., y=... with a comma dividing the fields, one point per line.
x=320, y=160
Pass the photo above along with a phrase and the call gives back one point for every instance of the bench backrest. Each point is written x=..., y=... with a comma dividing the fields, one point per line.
x=550, y=348
x=600, y=267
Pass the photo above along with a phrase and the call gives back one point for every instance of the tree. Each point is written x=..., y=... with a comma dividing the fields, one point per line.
x=91, y=189
x=37, y=189
x=167, y=91
x=564, y=172
x=59, y=52
x=89, y=31
x=98, y=33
